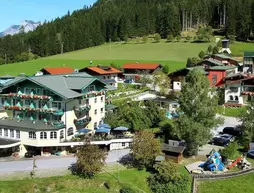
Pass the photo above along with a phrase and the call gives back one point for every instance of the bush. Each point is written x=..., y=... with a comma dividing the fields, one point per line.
x=157, y=38
x=170, y=38
x=201, y=55
x=231, y=151
x=178, y=38
x=127, y=189
x=145, y=39
x=165, y=69
x=188, y=38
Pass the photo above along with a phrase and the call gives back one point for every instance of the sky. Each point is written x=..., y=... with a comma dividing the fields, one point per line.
x=13, y=12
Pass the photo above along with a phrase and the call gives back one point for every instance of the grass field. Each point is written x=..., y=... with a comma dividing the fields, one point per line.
x=133, y=178
x=242, y=184
x=172, y=54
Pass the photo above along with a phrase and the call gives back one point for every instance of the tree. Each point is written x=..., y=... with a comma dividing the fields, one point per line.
x=188, y=38
x=210, y=49
x=126, y=39
x=198, y=103
x=191, y=62
x=145, y=148
x=231, y=39
x=201, y=55
x=247, y=124
x=165, y=69
x=157, y=38
x=219, y=43
x=166, y=178
x=161, y=82
x=145, y=78
x=178, y=38
x=231, y=151
x=1, y=61
x=215, y=50
x=90, y=160
x=59, y=40
x=170, y=38
x=145, y=39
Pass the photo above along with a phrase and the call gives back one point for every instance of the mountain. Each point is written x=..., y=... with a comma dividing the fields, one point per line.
x=14, y=29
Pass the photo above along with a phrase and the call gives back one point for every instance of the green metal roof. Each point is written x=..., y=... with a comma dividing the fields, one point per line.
x=222, y=67
x=216, y=62
x=110, y=107
x=248, y=54
x=65, y=86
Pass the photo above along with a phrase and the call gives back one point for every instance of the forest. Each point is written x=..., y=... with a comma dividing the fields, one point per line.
x=116, y=20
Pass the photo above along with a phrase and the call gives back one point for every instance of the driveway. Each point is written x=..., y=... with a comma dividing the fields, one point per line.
x=54, y=163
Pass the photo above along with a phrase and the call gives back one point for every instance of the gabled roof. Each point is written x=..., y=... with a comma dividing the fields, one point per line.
x=66, y=86
x=140, y=66
x=58, y=70
x=248, y=54
x=215, y=62
x=102, y=70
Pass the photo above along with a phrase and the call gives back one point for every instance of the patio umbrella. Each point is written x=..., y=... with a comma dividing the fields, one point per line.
x=84, y=130
x=121, y=129
x=104, y=125
x=102, y=130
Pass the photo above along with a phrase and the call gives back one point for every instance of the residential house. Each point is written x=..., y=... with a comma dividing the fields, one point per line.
x=248, y=62
x=239, y=89
x=174, y=150
x=54, y=71
x=107, y=74
x=133, y=71
x=44, y=111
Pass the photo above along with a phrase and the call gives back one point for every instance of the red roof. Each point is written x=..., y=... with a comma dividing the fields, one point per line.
x=61, y=70
x=109, y=70
x=140, y=66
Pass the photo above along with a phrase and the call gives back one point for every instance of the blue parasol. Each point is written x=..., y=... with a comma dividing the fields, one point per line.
x=121, y=129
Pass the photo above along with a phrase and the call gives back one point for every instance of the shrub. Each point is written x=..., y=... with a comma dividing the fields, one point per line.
x=127, y=189
x=201, y=54
x=231, y=151
x=157, y=38
x=170, y=38
x=178, y=38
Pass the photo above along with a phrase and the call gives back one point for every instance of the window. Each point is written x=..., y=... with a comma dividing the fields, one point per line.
x=80, y=101
x=12, y=133
x=44, y=92
x=6, y=132
x=38, y=91
x=27, y=102
x=236, y=98
x=123, y=144
x=1, y=132
x=100, y=122
x=95, y=111
x=101, y=110
x=53, y=135
x=70, y=131
x=27, y=90
x=61, y=134
x=90, y=88
x=32, y=135
x=17, y=134
x=101, y=99
x=95, y=125
x=231, y=98
x=18, y=89
x=214, y=79
x=87, y=101
x=56, y=105
x=95, y=100
x=104, y=77
x=108, y=77
x=43, y=135
x=32, y=91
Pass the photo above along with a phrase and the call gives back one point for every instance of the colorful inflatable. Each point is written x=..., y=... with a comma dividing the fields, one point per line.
x=214, y=163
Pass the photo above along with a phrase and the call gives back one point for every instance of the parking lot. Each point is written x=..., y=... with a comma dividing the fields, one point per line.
x=228, y=122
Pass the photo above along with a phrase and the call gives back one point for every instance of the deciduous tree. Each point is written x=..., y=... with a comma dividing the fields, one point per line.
x=145, y=148
x=198, y=103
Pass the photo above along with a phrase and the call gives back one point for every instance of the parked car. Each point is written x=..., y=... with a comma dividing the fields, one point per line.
x=220, y=141
x=233, y=131
x=250, y=153
x=227, y=136
x=30, y=154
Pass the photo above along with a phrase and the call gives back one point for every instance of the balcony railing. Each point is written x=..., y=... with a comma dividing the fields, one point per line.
x=29, y=96
x=82, y=121
x=81, y=108
x=250, y=93
x=94, y=93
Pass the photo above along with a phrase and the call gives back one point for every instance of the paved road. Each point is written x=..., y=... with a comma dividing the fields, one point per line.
x=54, y=163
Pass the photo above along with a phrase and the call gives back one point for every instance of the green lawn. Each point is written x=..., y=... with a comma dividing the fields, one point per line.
x=230, y=112
x=239, y=47
x=133, y=178
x=242, y=184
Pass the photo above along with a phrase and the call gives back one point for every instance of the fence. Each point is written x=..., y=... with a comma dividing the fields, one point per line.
x=203, y=177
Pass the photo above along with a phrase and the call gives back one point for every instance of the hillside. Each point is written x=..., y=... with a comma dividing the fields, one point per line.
x=172, y=54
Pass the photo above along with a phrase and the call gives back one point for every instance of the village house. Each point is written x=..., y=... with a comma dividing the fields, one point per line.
x=248, y=62
x=54, y=71
x=133, y=71
x=44, y=111
x=107, y=74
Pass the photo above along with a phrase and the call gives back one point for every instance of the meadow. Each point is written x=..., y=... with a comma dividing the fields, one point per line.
x=172, y=54
x=233, y=185
x=131, y=178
